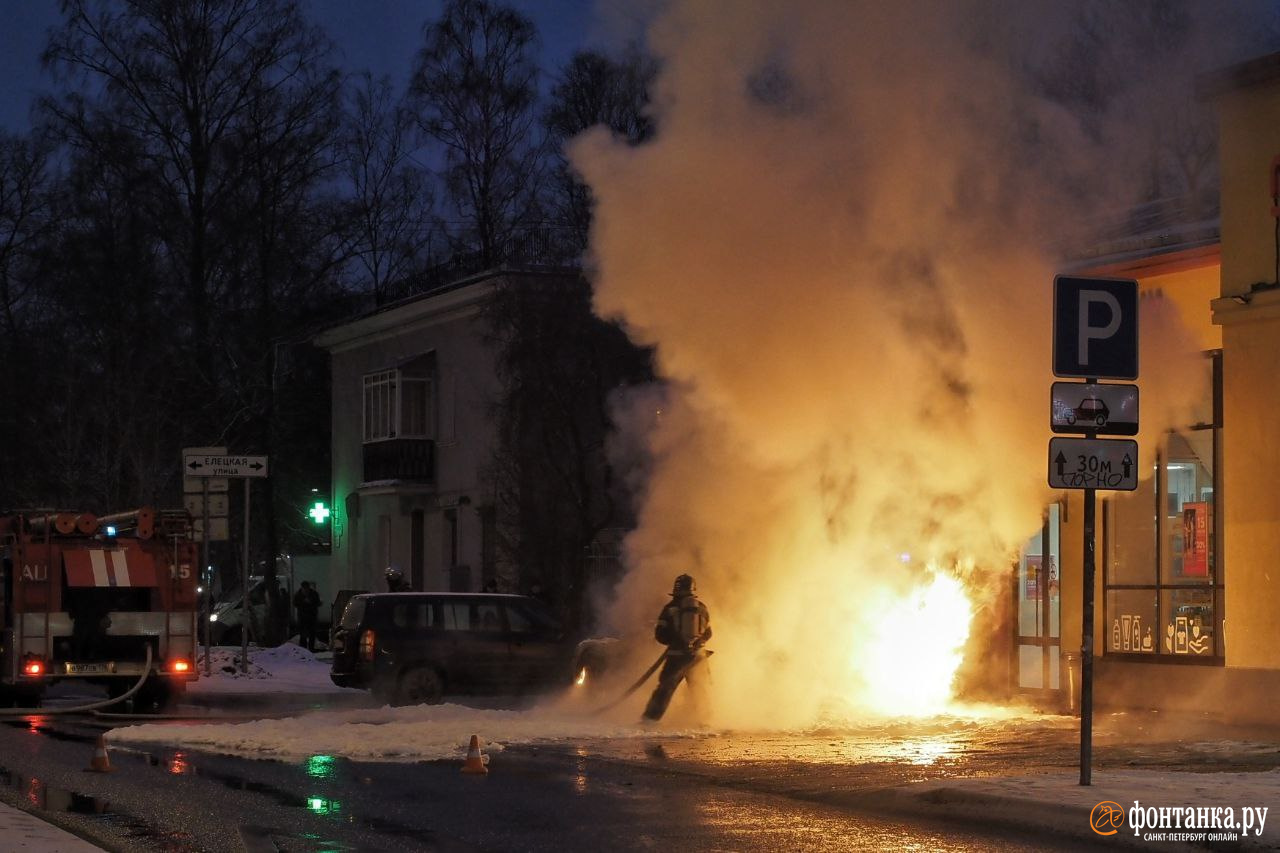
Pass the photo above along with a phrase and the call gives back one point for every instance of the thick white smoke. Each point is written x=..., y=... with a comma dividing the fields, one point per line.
x=841, y=244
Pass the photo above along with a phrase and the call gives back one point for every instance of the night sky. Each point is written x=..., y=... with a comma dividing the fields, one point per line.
x=379, y=35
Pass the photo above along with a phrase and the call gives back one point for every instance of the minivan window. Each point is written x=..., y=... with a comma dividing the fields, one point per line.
x=412, y=615
x=487, y=618
x=457, y=616
x=527, y=618
x=354, y=613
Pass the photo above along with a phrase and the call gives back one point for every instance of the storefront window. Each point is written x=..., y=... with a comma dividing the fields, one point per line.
x=1163, y=581
x=1037, y=597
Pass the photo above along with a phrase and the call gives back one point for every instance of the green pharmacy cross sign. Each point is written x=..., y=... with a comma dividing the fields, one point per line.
x=319, y=513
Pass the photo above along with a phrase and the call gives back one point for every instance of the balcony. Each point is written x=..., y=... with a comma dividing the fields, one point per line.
x=405, y=459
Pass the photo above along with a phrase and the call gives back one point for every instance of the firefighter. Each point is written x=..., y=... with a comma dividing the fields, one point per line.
x=684, y=626
x=395, y=579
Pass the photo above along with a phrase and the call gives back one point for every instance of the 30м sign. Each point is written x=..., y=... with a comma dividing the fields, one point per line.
x=1093, y=463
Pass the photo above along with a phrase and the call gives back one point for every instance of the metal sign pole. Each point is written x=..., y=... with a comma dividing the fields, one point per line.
x=1086, y=644
x=206, y=606
x=244, y=582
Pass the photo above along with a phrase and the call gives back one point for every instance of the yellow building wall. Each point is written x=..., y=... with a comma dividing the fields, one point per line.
x=1191, y=291
x=1249, y=139
x=1250, y=121
x=1251, y=459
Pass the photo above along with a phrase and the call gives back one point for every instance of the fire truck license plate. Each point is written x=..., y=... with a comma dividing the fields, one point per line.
x=88, y=668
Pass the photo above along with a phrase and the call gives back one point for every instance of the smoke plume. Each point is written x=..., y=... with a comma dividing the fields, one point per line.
x=841, y=244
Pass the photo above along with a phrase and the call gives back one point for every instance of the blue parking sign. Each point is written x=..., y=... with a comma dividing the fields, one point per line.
x=1095, y=328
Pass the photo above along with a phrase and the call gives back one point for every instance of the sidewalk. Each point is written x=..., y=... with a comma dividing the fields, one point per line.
x=25, y=832
x=1057, y=804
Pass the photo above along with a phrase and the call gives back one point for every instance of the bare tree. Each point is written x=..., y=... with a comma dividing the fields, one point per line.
x=555, y=487
x=228, y=112
x=593, y=90
x=474, y=86
x=182, y=77
x=391, y=221
x=27, y=217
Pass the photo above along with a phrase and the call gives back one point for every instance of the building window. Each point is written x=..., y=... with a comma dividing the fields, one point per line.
x=397, y=405
x=379, y=406
x=1163, y=584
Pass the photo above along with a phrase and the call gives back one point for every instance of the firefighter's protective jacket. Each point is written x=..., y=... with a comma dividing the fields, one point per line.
x=684, y=625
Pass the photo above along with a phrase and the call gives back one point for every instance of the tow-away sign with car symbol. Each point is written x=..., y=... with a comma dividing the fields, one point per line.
x=1092, y=406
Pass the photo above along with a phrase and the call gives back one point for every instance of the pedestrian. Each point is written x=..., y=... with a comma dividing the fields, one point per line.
x=684, y=627
x=307, y=602
x=395, y=579
x=491, y=585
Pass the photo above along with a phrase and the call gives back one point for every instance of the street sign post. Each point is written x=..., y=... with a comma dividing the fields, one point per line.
x=199, y=488
x=1104, y=409
x=1095, y=328
x=1095, y=336
x=210, y=465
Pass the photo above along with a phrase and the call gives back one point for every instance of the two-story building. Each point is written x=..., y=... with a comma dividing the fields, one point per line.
x=414, y=384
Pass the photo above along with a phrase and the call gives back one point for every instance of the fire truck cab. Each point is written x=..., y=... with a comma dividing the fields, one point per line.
x=85, y=598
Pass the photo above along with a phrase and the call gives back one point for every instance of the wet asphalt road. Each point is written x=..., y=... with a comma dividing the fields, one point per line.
x=731, y=792
x=563, y=799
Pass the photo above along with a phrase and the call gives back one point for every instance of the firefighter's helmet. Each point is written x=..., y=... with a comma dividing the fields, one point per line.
x=684, y=585
x=394, y=576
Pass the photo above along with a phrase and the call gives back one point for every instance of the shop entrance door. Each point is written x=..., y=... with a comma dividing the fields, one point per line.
x=1038, y=641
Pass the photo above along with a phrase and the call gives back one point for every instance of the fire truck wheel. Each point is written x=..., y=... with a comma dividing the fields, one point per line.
x=421, y=685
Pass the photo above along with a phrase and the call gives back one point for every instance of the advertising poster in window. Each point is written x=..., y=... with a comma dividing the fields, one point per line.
x=1196, y=524
x=1032, y=584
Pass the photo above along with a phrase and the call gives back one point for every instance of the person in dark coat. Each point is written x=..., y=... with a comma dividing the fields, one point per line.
x=395, y=580
x=684, y=627
x=307, y=603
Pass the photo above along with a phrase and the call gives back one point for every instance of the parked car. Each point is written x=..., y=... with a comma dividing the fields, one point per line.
x=336, y=610
x=228, y=619
x=416, y=647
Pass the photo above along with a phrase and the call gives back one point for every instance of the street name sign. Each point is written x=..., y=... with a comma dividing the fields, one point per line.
x=1094, y=407
x=1093, y=463
x=1095, y=328
x=202, y=465
x=200, y=485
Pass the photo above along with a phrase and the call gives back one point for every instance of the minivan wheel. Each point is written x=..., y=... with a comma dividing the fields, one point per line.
x=420, y=686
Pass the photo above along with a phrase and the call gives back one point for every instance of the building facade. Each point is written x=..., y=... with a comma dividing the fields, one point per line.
x=414, y=388
x=1186, y=577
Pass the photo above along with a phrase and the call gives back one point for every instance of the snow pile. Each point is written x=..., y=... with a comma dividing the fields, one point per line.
x=421, y=733
x=284, y=669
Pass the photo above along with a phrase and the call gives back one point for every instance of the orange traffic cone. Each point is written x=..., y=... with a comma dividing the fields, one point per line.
x=476, y=762
x=100, y=763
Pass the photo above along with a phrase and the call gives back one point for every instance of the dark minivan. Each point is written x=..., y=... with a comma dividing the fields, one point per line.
x=410, y=648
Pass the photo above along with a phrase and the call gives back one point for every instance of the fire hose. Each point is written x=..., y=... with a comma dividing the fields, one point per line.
x=93, y=706
x=648, y=673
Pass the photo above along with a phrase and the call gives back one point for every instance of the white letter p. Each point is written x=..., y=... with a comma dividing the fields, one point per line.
x=1097, y=333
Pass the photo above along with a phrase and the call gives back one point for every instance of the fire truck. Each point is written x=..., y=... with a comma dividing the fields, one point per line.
x=86, y=598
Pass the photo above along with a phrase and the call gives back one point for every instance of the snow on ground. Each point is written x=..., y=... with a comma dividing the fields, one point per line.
x=284, y=669
x=419, y=733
